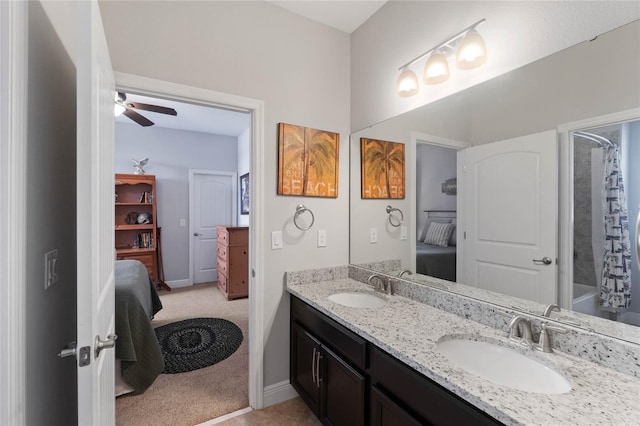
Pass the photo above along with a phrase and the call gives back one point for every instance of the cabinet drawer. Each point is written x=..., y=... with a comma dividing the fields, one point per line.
x=232, y=236
x=222, y=281
x=420, y=396
x=223, y=251
x=223, y=266
x=341, y=340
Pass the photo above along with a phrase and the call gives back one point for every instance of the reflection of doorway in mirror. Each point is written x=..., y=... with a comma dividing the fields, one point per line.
x=606, y=279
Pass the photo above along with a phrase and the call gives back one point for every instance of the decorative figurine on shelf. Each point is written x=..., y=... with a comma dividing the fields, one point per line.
x=139, y=164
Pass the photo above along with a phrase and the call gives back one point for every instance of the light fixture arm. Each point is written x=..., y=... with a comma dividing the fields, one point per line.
x=444, y=43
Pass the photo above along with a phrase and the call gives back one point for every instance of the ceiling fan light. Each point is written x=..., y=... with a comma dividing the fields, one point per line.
x=471, y=52
x=118, y=109
x=436, y=69
x=407, y=83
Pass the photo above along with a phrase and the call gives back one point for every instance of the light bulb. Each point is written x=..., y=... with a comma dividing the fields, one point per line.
x=436, y=69
x=471, y=52
x=407, y=83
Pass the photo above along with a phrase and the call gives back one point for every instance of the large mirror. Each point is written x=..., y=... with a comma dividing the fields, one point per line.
x=593, y=86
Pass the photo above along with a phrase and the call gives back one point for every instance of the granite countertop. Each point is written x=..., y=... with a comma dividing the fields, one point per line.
x=410, y=331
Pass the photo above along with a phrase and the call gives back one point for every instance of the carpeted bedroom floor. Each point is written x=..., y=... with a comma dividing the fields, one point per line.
x=187, y=399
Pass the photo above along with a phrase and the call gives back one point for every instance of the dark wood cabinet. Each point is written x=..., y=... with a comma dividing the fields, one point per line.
x=332, y=388
x=346, y=380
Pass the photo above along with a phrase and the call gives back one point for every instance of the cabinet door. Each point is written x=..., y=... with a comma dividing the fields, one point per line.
x=305, y=350
x=385, y=412
x=343, y=390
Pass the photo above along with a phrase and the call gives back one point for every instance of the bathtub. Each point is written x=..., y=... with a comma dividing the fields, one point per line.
x=585, y=299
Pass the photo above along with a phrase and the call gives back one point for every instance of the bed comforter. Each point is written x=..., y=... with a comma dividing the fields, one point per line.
x=137, y=346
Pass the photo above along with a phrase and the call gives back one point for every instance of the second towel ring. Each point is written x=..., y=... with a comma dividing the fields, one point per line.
x=398, y=222
x=300, y=208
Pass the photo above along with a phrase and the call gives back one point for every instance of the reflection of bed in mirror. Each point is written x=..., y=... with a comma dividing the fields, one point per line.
x=436, y=245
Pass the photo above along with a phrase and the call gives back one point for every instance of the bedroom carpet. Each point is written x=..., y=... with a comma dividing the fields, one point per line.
x=190, y=398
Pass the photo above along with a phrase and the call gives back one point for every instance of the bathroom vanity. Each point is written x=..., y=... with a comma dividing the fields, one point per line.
x=383, y=366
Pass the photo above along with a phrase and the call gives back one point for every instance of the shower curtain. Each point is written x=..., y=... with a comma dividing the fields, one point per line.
x=615, y=288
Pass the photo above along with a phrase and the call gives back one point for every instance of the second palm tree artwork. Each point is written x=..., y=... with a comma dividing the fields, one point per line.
x=382, y=166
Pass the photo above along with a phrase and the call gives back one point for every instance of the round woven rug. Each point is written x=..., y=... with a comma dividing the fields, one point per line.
x=197, y=343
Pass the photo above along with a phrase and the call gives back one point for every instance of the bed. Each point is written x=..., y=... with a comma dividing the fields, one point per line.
x=437, y=258
x=138, y=356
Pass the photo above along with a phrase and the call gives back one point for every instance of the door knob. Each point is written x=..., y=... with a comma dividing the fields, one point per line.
x=104, y=344
x=69, y=350
x=544, y=261
x=196, y=234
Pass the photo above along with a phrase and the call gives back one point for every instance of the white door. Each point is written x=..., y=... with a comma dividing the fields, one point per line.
x=213, y=198
x=96, y=401
x=510, y=212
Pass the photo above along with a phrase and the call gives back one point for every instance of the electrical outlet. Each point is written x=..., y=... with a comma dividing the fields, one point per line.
x=276, y=240
x=322, y=238
x=373, y=235
x=50, y=271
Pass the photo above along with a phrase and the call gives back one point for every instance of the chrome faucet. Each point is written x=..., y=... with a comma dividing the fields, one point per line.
x=381, y=285
x=544, y=343
x=549, y=309
x=524, y=337
x=405, y=271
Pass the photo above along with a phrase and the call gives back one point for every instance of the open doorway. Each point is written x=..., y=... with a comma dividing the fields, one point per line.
x=208, y=141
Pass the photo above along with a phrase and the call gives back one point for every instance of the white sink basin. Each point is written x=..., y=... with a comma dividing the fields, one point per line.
x=354, y=299
x=503, y=366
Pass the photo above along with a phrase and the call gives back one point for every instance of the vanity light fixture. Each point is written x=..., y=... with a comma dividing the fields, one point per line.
x=467, y=48
x=407, y=83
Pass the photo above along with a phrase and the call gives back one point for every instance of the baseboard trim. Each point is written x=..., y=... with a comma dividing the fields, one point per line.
x=278, y=392
x=226, y=417
x=179, y=283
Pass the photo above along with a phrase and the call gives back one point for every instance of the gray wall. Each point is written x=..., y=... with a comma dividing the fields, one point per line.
x=171, y=154
x=51, y=383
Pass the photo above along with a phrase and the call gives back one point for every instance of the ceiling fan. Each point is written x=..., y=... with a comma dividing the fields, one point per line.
x=127, y=108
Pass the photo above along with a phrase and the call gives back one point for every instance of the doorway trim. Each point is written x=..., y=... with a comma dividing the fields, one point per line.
x=427, y=139
x=152, y=87
x=565, y=271
x=14, y=30
x=234, y=206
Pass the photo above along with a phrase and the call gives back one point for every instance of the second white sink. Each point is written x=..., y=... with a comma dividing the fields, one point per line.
x=354, y=299
x=503, y=366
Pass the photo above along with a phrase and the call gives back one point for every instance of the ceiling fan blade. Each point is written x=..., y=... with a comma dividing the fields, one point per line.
x=153, y=108
x=141, y=120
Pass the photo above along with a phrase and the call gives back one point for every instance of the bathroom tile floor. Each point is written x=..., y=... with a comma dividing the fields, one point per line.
x=291, y=412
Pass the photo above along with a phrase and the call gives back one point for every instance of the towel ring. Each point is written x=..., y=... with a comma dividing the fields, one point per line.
x=299, y=210
x=397, y=222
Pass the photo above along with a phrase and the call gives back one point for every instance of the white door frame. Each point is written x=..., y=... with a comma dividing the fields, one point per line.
x=234, y=208
x=424, y=138
x=178, y=92
x=565, y=278
x=13, y=171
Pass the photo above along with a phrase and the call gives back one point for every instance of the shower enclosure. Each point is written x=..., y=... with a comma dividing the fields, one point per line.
x=596, y=246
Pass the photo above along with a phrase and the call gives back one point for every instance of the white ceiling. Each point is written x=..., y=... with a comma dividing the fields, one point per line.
x=345, y=15
x=195, y=118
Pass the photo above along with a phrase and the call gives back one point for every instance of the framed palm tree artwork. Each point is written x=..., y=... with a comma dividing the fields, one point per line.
x=382, y=167
x=307, y=161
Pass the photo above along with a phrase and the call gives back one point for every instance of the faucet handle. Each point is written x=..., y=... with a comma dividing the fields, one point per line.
x=544, y=343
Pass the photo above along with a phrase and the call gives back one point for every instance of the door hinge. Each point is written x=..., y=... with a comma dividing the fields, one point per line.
x=464, y=235
x=464, y=169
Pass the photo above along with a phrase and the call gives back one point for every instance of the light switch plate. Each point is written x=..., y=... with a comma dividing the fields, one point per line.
x=373, y=235
x=403, y=233
x=183, y=222
x=50, y=268
x=322, y=238
x=276, y=240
